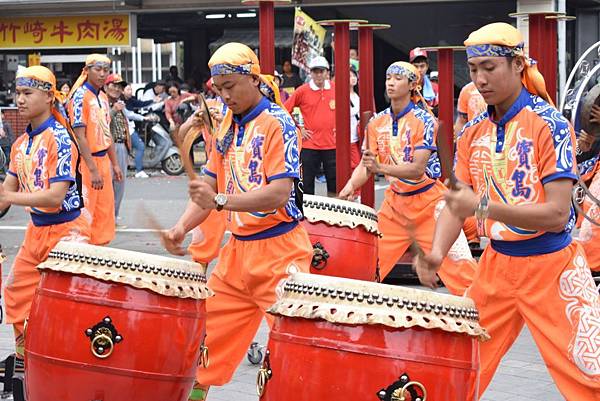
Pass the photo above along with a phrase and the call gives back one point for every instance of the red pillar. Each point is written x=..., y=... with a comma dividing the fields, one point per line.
x=267, y=37
x=446, y=101
x=342, y=98
x=365, y=92
x=342, y=103
x=543, y=45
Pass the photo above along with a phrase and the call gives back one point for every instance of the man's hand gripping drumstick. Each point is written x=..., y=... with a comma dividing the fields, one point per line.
x=171, y=242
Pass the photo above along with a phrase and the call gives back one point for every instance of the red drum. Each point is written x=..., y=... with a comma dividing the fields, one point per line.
x=344, y=237
x=340, y=339
x=114, y=325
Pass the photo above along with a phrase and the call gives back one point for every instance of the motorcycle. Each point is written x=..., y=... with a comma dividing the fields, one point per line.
x=160, y=149
x=3, y=169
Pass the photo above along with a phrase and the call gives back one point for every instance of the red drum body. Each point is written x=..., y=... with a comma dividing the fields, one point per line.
x=324, y=348
x=92, y=339
x=344, y=237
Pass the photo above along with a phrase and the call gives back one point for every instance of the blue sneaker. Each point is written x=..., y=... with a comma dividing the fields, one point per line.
x=321, y=178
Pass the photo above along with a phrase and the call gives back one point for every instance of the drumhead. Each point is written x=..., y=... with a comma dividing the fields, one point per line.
x=163, y=275
x=346, y=301
x=339, y=212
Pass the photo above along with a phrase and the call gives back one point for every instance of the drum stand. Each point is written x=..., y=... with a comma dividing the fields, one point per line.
x=12, y=379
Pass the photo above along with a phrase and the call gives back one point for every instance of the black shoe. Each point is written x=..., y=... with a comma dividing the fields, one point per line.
x=19, y=366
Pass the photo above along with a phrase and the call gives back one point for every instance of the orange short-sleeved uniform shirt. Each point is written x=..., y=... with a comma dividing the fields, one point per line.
x=89, y=108
x=510, y=160
x=41, y=157
x=470, y=102
x=261, y=147
x=395, y=139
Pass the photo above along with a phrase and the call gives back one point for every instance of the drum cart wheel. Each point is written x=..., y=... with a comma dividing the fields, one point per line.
x=255, y=353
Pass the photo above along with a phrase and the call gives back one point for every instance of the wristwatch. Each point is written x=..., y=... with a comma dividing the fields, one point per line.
x=220, y=201
x=482, y=211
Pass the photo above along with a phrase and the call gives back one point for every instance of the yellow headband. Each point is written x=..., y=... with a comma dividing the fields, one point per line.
x=405, y=69
x=504, y=40
x=234, y=58
x=237, y=58
x=93, y=60
x=97, y=60
x=37, y=77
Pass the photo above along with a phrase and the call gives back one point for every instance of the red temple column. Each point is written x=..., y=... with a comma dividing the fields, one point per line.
x=366, y=94
x=266, y=17
x=543, y=47
x=446, y=94
x=342, y=97
x=543, y=44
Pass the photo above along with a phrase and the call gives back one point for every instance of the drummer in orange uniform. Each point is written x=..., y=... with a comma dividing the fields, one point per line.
x=42, y=177
x=250, y=179
x=517, y=167
x=89, y=114
x=470, y=105
x=401, y=144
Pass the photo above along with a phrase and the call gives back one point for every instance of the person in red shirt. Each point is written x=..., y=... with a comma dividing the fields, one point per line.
x=316, y=101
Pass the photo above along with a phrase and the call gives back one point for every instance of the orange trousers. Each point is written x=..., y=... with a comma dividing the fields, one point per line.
x=245, y=282
x=99, y=205
x=401, y=217
x=207, y=238
x=555, y=295
x=24, y=276
x=589, y=233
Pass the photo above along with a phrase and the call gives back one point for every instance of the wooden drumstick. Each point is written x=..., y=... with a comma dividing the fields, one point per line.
x=188, y=166
x=150, y=219
x=154, y=225
x=445, y=156
x=364, y=121
x=206, y=115
x=185, y=153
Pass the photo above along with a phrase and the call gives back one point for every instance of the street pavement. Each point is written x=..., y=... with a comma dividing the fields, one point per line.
x=521, y=376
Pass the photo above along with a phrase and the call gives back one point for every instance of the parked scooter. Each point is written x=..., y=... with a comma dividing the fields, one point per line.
x=160, y=150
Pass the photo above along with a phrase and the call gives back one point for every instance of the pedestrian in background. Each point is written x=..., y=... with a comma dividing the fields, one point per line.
x=119, y=129
x=7, y=138
x=316, y=101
